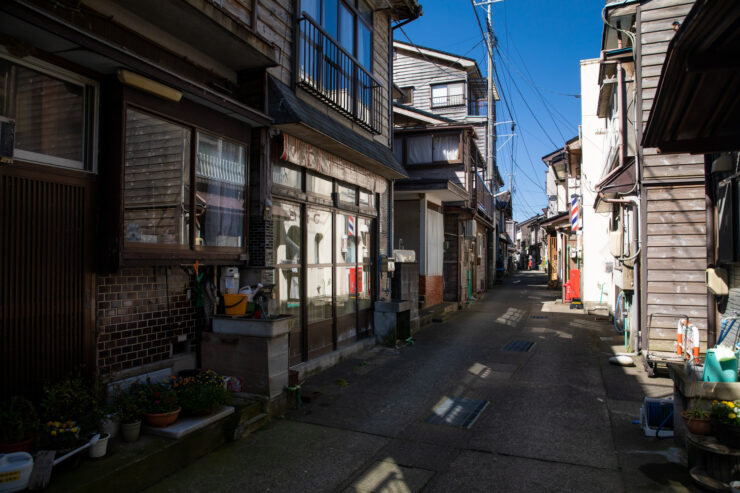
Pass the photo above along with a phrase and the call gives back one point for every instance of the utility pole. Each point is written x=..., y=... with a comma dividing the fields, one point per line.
x=490, y=131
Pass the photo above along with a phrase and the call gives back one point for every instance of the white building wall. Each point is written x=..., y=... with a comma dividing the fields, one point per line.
x=596, y=272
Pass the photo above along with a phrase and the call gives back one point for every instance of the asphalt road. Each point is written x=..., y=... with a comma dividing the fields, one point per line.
x=557, y=417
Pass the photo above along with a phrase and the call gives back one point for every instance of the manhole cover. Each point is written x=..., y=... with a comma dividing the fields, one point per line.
x=457, y=411
x=538, y=317
x=519, y=346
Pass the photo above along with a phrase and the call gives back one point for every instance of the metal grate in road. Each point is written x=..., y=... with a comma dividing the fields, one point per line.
x=460, y=412
x=539, y=317
x=519, y=346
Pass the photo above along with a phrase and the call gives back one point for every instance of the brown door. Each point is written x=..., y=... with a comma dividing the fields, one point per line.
x=46, y=277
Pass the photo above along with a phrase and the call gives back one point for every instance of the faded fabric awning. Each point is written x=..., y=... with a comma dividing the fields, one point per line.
x=310, y=124
x=618, y=181
x=697, y=102
x=298, y=152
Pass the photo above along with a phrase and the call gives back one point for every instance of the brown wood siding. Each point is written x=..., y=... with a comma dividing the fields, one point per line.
x=45, y=277
x=656, y=31
x=674, y=234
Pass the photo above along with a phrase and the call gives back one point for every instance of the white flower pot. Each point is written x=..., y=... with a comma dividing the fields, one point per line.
x=131, y=431
x=111, y=424
x=99, y=448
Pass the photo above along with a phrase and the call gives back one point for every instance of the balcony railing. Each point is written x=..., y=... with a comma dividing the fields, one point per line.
x=330, y=73
x=450, y=100
x=483, y=196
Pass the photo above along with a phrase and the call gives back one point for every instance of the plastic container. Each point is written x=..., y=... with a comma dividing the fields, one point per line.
x=235, y=304
x=719, y=369
x=15, y=471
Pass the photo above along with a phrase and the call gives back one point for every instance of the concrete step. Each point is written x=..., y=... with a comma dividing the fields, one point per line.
x=438, y=313
x=136, y=466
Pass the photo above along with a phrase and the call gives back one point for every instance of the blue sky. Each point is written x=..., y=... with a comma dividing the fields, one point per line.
x=541, y=42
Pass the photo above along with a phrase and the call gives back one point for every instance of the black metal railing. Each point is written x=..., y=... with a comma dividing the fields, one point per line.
x=450, y=100
x=330, y=73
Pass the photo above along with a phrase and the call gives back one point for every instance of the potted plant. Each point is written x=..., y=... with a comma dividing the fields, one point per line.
x=697, y=421
x=725, y=418
x=201, y=394
x=72, y=400
x=160, y=404
x=62, y=436
x=128, y=407
x=18, y=425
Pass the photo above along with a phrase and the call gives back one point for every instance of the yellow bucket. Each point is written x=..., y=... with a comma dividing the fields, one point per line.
x=235, y=304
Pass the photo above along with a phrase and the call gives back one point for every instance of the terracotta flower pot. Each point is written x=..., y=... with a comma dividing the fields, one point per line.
x=162, y=420
x=23, y=446
x=697, y=426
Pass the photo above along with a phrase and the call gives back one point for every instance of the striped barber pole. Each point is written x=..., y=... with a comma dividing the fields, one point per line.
x=350, y=225
x=574, y=214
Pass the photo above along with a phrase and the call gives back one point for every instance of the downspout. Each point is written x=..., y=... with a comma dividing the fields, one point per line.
x=632, y=201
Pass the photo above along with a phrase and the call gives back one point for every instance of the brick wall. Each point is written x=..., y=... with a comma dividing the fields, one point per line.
x=140, y=313
x=432, y=289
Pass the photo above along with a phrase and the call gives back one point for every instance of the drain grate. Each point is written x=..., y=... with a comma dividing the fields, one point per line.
x=538, y=317
x=460, y=412
x=519, y=346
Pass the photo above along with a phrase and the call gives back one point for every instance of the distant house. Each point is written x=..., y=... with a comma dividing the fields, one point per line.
x=445, y=209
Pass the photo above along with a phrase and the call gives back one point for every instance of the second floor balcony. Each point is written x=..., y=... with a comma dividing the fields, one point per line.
x=483, y=196
x=332, y=74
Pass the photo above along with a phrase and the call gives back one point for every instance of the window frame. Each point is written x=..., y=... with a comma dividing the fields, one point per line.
x=133, y=251
x=457, y=162
x=447, y=85
x=91, y=119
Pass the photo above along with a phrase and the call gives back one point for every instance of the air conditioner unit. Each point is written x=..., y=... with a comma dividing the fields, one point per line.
x=615, y=243
x=7, y=139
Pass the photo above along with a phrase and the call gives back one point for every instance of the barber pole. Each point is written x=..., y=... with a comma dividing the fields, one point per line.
x=574, y=212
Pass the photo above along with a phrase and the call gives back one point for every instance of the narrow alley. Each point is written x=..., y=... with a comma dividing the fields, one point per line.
x=556, y=416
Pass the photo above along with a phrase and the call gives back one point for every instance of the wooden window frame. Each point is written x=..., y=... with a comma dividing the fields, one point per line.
x=434, y=164
x=197, y=119
x=91, y=105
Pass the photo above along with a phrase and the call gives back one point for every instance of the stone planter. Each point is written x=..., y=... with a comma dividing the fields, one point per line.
x=130, y=432
x=255, y=350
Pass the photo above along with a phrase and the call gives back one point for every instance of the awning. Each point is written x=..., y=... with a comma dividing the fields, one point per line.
x=618, y=181
x=308, y=123
x=555, y=222
x=445, y=190
x=697, y=102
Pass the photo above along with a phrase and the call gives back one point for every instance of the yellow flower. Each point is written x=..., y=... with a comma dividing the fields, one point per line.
x=715, y=402
x=53, y=433
x=732, y=415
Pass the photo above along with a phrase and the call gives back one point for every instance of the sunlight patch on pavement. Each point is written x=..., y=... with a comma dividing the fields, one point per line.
x=388, y=477
x=480, y=370
x=544, y=330
x=511, y=317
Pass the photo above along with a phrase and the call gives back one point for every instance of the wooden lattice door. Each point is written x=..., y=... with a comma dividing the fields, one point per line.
x=46, y=277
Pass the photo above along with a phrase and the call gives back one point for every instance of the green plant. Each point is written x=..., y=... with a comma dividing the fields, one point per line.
x=697, y=414
x=202, y=393
x=128, y=406
x=18, y=420
x=157, y=398
x=60, y=435
x=726, y=412
x=72, y=400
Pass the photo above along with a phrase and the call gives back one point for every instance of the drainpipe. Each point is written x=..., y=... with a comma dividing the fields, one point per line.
x=632, y=201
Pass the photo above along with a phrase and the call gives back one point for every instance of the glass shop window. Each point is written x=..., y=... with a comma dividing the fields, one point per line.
x=287, y=239
x=287, y=176
x=367, y=199
x=347, y=194
x=318, y=186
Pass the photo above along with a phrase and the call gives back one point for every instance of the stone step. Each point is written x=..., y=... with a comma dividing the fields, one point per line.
x=251, y=425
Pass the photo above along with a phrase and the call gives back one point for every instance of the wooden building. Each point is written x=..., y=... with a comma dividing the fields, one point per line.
x=440, y=137
x=668, y=241
x=696, y=110
x=140, y=150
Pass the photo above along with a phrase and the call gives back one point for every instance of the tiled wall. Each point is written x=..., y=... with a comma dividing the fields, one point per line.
x=431, y=288
x=140, y=314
